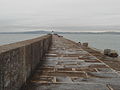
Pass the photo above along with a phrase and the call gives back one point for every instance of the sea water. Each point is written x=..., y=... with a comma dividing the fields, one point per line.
x=99, y=41
x=12, y=38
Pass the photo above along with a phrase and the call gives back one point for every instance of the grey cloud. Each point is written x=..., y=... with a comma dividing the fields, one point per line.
x=67, y=13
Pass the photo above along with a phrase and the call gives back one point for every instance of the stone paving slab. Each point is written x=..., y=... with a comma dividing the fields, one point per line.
x=68, y=67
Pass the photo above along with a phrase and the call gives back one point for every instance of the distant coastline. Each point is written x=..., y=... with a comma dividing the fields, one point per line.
x=47, y=32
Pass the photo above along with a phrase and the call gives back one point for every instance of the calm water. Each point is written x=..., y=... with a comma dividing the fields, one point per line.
x=12, y=38
x=100, y=41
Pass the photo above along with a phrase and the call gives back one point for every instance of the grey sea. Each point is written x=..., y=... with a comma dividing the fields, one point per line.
x=99, y=41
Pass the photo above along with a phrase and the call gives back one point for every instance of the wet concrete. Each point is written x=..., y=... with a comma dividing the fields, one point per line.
x=68, y=67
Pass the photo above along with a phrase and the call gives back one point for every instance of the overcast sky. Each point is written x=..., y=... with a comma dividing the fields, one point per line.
x=20, y=15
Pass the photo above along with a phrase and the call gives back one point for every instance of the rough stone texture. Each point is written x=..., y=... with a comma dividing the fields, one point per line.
x=18, y=61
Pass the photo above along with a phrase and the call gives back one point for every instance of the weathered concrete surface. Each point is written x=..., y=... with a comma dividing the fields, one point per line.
x=18, y=61
x=114, y=63
x=68, y=67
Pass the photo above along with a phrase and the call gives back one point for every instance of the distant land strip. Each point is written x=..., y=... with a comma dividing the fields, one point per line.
x=46, y=32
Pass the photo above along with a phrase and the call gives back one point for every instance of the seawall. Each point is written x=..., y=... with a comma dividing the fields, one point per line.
x=71, y=66
x=18, y=61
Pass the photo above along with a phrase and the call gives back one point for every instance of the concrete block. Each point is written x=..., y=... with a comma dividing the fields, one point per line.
x=111, y=53
x=107, y=51
x=85, y=44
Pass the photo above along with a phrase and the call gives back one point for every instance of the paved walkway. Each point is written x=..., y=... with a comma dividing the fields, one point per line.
x=68, y=67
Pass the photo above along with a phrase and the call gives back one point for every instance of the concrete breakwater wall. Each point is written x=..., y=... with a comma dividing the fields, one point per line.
x=18, y=61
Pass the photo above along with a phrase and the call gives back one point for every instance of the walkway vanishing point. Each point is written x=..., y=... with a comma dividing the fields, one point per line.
x=66, y=66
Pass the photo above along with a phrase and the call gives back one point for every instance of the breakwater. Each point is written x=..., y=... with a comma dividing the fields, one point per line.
x=73, y=66
x=18, y=61
x=67, y=65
